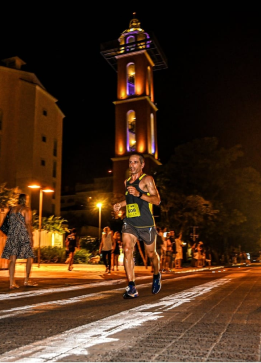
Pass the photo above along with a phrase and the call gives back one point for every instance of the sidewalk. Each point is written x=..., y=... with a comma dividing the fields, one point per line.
x=51, y=275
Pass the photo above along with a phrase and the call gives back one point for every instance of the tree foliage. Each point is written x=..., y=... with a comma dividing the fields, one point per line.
x=205, y=185
x=51, y=224
x=8, y=197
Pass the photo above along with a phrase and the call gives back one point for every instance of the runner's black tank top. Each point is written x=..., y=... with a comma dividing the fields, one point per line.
x=138, y=212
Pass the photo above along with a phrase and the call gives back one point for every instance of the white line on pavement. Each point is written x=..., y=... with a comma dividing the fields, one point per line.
x=75, y=342
x=48, y=305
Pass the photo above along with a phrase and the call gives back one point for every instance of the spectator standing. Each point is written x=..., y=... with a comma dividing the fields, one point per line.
x=116, y=251
x=179, y=250
x=19, y=243
x=71, y=244
x=168, y=260
x=106, y=246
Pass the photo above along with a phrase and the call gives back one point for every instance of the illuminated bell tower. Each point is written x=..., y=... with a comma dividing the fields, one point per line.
x=135, y=56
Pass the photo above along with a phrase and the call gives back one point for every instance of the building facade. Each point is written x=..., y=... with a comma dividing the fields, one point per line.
x=31, y=131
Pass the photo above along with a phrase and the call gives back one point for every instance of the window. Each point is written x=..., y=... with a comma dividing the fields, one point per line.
x=45, y=112
x=130, y=79
x=43, y=138
x=55, y=148
x=130, y=39
x=1, y=119
x=131, y=131
x=42, y=162
x=54, y=169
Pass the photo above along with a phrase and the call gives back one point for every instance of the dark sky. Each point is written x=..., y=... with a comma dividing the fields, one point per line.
x=212, y=86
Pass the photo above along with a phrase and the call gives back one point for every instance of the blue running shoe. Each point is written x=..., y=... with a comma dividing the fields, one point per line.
x=130, y=292
x=156, y=284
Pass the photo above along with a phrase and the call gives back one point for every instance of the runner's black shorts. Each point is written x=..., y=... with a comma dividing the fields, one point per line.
x=147, y=235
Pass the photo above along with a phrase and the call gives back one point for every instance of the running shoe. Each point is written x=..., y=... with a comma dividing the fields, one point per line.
x=156, y=284
x=130, y=292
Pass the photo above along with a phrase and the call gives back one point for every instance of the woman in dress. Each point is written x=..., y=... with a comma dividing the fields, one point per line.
x=19, y=243
x=71, y=242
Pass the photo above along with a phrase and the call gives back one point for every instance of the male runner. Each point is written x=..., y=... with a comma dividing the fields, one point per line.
x=140, y=193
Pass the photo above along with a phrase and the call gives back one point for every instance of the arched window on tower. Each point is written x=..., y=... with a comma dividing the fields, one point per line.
x=131, y=131
x=130, y=79
x=152, y=134
x=130, y=39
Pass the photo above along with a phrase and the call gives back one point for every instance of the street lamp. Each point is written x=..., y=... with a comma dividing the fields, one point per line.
x=99, y=205
x=41, y=190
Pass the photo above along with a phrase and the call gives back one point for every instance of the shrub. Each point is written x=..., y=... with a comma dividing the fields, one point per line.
x=89, y=243
x=81, y=256
x=50, y=254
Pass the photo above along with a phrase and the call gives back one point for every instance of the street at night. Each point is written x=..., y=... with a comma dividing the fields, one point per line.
x=80, y=316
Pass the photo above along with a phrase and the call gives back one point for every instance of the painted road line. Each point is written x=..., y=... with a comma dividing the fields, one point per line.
x=48, y=305
x=75, y=342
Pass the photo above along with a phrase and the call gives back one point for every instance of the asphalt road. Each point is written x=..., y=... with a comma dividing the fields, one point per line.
x=198, y=316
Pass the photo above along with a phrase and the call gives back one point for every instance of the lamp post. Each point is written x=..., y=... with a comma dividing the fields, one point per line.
x=41, y=190
x=99, y=205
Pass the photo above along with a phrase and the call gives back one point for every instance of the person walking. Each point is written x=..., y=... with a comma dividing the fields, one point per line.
x=106, y=246
x=140, y=193
x=71, y=244
x=179, y=251
x=19, y=243
x=116, y=251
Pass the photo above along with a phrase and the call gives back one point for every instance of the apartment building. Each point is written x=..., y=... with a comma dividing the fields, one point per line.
x=31, y=130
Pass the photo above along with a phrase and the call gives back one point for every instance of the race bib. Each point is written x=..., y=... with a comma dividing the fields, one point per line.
x=132, y=210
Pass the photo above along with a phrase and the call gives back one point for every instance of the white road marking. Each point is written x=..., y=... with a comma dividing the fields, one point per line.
x=56, y=303
x=76, y=341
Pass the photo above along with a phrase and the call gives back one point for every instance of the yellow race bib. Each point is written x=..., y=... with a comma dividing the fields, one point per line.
x=132, y=210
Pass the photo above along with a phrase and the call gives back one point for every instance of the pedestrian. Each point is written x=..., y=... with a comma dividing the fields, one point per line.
x=169, y=252
x=71, y=243
x=140, y=194
x=179, y=251
x=106, y=246
x=116, y=251
x=19, y=243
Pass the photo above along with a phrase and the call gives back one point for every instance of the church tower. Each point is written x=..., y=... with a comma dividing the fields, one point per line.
x=134, y=57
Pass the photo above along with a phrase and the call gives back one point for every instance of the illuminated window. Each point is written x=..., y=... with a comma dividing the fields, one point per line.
x=152, y=134
x=130, y=79
x=131, y=131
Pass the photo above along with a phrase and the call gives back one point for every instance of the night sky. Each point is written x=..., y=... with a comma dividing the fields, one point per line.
x=212, y=86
